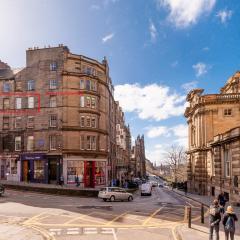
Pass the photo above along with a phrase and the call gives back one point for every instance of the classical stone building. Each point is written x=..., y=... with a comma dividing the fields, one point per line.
x=213, y=153
x=58, y=118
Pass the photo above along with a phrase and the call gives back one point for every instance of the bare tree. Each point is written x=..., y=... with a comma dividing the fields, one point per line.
x=176, y=160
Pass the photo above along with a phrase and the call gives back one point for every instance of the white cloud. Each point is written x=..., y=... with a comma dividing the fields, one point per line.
x=158, y=154
x=156, y=131
x=189, y=86
x=107, y=37
x=200, y=68
x=183, y=13
x=206, y=49
x=224, y=15
x=95, y=7
x=153, y=31
x=180, y=130
x=151, y=101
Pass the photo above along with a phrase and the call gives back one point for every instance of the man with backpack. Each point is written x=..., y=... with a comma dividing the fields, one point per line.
x=214, y=219
x=229, y=220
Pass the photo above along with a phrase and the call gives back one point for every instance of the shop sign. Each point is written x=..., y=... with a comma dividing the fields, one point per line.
x=32, y=156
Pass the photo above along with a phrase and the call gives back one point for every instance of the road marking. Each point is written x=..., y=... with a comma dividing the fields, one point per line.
x=72, y=232
x=36, y=217
x=90, y=230
x=151, y=216
x=116, y=218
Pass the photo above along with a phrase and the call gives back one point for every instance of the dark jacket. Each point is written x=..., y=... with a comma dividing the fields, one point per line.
x=225, y=218
x=222, y=200
x=216, y=218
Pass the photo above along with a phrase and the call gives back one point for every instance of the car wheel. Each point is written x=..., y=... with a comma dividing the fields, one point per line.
x=112, y=199
x=104, y=199
x=130, y=198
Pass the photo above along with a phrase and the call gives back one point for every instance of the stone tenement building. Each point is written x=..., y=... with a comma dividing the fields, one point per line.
x=58, y=118
x=214, y=140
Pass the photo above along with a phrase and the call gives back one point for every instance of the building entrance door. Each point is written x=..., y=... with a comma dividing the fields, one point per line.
x=26, y=172
x=52, y=171
x=89, y=174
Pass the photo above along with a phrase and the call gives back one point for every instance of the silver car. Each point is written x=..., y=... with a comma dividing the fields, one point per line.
x=114, y=193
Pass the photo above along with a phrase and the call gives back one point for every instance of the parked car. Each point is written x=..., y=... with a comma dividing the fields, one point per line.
x=146, y=189
x=154, y=183
x=114, y=193
x=2, y=189
x=161, y=185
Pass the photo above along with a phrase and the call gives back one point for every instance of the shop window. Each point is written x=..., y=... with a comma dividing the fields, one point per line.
x=100, y=173
x=6, y=103
x=82, y=104
x=53, y=66
x=18, y=122
x=18, y=103
x=82, y=84
x=6, y=122
x=6, y=87
x=228, y=112
x=31, y=85
x=75, y=169
x=53, y=101
x=93, y=122
x=53, y=120
x=53, y=84
x=53, y=142
x=39, y=169
x=13, y=166
x=30, y=122
x=88, y=102
x=88, y=122
x=30, y=102
x=17, y=143
x=82, y=147
x=93, y=102
x=30, y=143
x=82, y=121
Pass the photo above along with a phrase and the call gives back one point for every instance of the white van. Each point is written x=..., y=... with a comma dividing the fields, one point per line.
x=146, y=189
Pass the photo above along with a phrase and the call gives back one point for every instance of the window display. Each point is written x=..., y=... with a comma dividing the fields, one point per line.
x=39, y=169
x=75, y=169
x=100, y=173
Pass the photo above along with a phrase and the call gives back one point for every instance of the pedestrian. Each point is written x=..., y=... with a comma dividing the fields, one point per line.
x=61, y=181
x=77, y=181
x=222, y=201
x=229, y=220
x=214, y=219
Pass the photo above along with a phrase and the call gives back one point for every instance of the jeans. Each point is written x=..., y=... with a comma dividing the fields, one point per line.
x=212, y=228
x=227, y=233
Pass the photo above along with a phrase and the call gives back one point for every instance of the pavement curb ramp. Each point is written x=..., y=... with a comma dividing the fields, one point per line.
x=59, y=191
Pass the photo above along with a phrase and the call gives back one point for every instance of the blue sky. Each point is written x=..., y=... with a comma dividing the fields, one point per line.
x=157, y=50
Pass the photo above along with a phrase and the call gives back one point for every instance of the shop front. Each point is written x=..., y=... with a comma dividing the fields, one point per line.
x=34, y=168
x=54, y=163
x=84, y=173
x=10, y=167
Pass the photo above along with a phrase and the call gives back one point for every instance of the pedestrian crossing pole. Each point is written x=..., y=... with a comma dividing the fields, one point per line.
x=189, y=216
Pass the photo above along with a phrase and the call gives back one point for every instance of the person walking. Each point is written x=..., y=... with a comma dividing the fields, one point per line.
x=214, y=219
x=222, y=201
x=229, y=220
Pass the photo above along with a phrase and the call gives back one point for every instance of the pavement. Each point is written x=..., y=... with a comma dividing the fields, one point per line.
x=201, y=232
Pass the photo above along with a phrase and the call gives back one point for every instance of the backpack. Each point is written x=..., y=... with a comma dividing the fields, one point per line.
x=214, y=211
x=230, y=226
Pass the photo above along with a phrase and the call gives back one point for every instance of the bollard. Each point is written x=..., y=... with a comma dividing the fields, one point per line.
x=202, y=213
x=189, y=214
